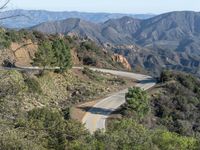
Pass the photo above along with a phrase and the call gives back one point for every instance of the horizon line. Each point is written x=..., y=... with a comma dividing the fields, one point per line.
x=103, y=12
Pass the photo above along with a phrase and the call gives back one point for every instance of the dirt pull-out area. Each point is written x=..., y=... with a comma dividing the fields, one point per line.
x=78, y=111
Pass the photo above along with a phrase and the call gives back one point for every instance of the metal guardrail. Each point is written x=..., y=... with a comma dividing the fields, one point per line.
x=29, y=68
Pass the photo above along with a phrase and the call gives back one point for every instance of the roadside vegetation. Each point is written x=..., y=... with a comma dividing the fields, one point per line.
x=36, y=114
x=137, y=103
x=169, y=115
x=9, y=36
x=177, y=105
x=35, y=107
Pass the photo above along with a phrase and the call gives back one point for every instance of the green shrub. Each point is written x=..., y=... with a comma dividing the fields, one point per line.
x=90, y=61
x=166, y=76
x=5, y=41
x=93, y=75
x=171, y=141
x=11, y=83
x=176, y=106
x=66, y=113
x=125, y=134
x=45, y=118
x=12, y=140
x=33, y=85
x=59, y=133
x=89, y=46
x=137, y=101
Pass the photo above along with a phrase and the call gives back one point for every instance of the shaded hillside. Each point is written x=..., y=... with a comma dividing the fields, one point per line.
x=176, y=103
x=174, y=26
x=73, y=26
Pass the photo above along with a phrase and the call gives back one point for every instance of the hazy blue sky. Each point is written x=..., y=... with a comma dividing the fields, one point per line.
x=119, y=6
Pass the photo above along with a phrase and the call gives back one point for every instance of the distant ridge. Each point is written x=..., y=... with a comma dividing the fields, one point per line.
x=35, y=17
x=173, y=26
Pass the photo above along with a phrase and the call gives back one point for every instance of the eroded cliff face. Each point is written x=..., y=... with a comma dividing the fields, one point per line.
x=20, y=54
x=24, y=52
x=121, y=59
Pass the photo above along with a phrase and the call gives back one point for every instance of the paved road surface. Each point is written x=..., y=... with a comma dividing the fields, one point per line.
x=28, y=68
x=95, y=118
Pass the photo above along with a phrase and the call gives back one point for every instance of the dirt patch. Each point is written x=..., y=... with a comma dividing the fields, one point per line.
x=75, y=57
x=78, y=111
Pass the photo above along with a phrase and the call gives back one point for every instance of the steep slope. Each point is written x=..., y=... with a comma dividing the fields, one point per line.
x=172, y=27
x=120, y=31
x=72, y=26
x=175, y=38
x=115, y=31
x=172, y=40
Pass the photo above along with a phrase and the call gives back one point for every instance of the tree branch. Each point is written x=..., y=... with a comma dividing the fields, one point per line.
x=4, y=5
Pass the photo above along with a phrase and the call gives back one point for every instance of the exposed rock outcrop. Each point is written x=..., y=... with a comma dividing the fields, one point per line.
x=121, y=59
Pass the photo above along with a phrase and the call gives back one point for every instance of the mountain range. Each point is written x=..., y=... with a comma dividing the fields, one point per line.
x=28, y=18
x=149, y=42
x=170, y=40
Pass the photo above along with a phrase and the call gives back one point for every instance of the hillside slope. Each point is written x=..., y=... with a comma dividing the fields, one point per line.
x=19, y=48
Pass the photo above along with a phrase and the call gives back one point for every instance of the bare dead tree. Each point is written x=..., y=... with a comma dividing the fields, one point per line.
x=3, y=6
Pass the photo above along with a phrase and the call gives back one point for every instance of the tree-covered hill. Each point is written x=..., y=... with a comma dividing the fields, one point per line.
x=26, y=48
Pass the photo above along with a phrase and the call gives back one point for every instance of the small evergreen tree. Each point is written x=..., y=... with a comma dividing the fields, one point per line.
x=45, y=56
x=53, y=54
x=62, y=54
x=137, y=100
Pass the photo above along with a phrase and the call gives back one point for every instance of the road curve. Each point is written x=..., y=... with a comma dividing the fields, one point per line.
x=95, y=118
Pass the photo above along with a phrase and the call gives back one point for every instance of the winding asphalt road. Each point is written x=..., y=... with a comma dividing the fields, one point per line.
x=95, y=117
